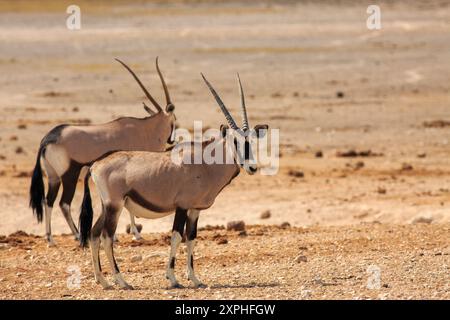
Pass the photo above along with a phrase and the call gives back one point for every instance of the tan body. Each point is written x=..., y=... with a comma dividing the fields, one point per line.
x=164, y=185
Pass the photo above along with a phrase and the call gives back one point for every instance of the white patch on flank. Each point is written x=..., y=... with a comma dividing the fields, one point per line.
x=101, y=188
x=142, y=212
x=57, y=157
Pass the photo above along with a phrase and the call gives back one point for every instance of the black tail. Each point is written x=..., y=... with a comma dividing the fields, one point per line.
x=37, y=190
x=86, y=214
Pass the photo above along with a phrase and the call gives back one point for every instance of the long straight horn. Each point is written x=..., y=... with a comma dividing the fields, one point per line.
x=227, y=114
x=166, y=91
x=243, y=108
x=149, y=96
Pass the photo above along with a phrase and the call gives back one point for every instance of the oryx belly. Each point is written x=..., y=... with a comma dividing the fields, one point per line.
x=143, y=212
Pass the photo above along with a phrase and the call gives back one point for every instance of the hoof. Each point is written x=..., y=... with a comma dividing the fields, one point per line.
x=51, y=244
x=127, y=287
x=138, y=238
x=176, y=286
x=76, y=237
x=200, y=285
x=108, y=287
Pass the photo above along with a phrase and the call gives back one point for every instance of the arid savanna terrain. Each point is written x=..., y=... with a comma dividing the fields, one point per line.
x=364, y=122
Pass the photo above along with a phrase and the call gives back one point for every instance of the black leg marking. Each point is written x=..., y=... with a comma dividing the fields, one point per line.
x=69, y=181
x=192, y=262
x=191, y=229
x=52, y=192
x=180, y=220
x=172, y=263
x=111, y=219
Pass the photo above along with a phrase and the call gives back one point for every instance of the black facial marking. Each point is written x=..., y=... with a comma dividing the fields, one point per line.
x=172, y=263
x=246, y=150
x=169, y=139
x=140, y=200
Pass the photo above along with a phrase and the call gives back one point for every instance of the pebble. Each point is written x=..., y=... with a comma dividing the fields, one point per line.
x=422, y=219
x=236, y=225
x=301, y=258
x=136, y=258
x=265, y=215
x=285, y=225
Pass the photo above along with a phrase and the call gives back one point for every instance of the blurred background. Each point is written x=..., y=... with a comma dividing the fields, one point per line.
x=364, y=115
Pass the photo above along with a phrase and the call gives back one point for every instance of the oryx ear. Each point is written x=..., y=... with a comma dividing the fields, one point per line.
x=170, y=107
x=150, y=111
x=223, y=130
x=261, y=130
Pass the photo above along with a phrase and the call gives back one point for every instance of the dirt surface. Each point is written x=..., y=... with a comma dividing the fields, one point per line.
x=364, y=138
x=269, y=262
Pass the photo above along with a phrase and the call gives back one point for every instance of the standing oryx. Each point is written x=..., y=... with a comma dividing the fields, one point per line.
x=67, y=148
x=151, y=185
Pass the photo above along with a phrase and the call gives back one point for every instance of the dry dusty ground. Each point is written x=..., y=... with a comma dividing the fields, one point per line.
x=311, y=69
x=336, y=262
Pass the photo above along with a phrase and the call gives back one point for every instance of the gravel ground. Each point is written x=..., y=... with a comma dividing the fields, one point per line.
x=369, y=261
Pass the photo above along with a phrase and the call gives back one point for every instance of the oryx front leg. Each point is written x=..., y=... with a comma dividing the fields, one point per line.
x=177, y=231
x=133, y=229
x=112, y=213
x=191, y=234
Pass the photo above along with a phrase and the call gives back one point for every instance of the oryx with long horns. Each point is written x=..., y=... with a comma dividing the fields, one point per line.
x=66, y=149
x=151, y=185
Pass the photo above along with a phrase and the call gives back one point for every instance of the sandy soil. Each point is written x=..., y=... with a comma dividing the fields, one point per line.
x=293, y=59
x=268, y=263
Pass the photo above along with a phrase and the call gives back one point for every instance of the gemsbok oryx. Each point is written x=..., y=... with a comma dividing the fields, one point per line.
x=67, y=148
x=152, y=185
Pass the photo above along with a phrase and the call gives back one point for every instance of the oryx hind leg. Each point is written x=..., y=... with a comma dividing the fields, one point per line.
x=112, y=213
x=177, y=231
x=69, y=181
x=191, y=234
x=95, y=251
x=54, y=183
x=133, y=229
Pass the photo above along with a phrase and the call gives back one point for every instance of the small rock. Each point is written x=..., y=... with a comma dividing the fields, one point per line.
x=285, y=225
x=422, y=219
x=319, y=154
x=301, y=258
x=75, y=109
x=136, y=258
x=406, y=167
x=22, y=126
x=236, y=225
x=381, y=190
x=422, y=155
x=266, y=214
x=339, y=94
x=242, y=233
x=222, y=241
x=19, y=150
x=296, y=173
